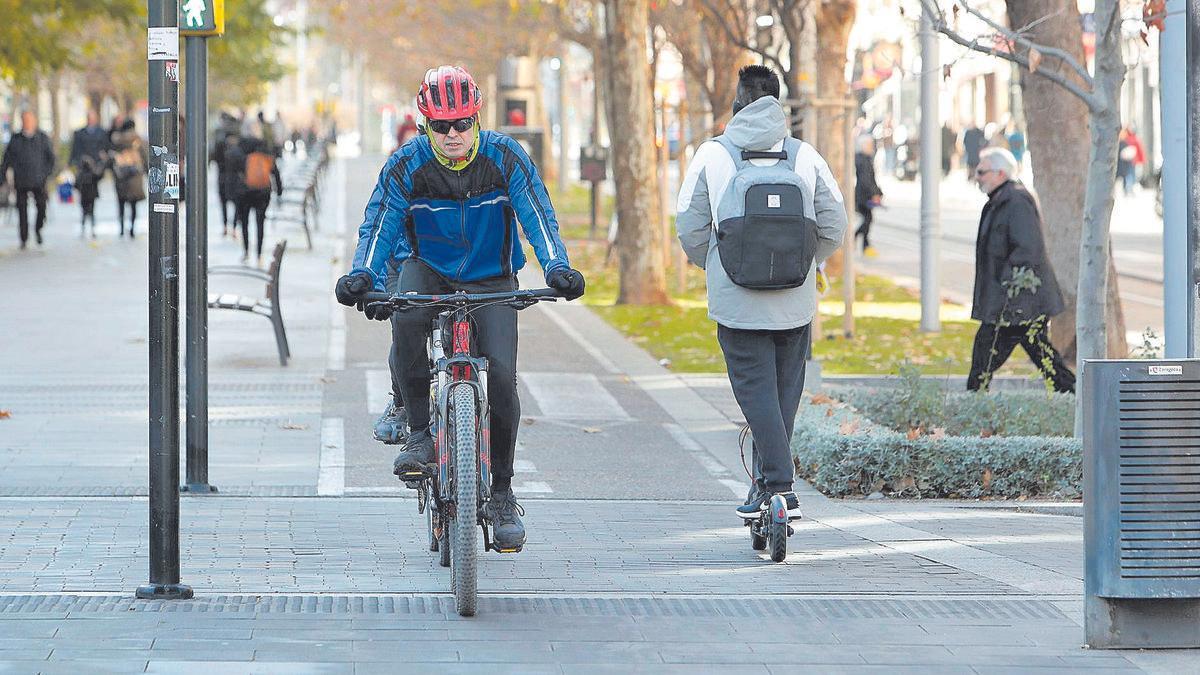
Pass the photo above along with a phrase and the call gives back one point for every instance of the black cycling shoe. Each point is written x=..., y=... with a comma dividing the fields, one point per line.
x=418, y=457
x=508, y=532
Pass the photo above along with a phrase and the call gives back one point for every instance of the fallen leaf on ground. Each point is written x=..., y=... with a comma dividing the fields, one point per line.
x=5, y=414
x=821, y=399
x=938, y=433
x=987, y=478
x=848, y=428
x=293, y=427
x=592, y=430
x=914, y=433
x=986, y=433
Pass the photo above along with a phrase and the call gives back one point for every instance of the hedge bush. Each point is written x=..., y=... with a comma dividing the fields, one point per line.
x=843, y=453
x=926, y=404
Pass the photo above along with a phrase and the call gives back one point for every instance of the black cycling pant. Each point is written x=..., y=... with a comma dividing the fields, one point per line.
x=495, y=339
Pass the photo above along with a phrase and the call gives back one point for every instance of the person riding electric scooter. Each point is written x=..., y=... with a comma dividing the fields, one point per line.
x=443, y=218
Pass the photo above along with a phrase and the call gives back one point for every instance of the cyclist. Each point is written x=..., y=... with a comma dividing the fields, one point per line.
x=443, y=218
x=763, y=329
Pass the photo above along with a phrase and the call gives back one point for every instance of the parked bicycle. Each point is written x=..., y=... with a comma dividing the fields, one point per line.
x=455, y=495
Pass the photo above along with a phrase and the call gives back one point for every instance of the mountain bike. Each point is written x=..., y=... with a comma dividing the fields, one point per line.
x=455, y=495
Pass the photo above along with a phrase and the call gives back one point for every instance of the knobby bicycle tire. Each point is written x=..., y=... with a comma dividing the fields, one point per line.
x=464, y=547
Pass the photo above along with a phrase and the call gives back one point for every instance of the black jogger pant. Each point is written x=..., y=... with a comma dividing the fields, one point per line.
x=495, y=339
x=1032, y=336
x=257, y=201
x=766, y=369
x=864, y=229
x=121, y=204
x=39, y=202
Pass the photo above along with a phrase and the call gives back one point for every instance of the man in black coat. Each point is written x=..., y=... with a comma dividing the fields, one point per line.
x=89, y=156
x=31, y=157
x=1013, y=308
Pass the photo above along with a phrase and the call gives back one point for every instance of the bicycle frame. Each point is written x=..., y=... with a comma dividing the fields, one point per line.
x=459, y=367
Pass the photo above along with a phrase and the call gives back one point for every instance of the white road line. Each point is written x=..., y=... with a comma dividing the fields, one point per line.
x=573, y=395
x=569, y=330
x=331, y=481
x=523, y=466
x=336, y=357
x=379, y=390
x=532, y=487
x=714, y=467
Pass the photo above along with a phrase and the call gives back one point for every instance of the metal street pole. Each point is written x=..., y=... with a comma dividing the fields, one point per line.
x=931, y=175
x=562, y=122
x=1192, y=223
x=196, y=362
x=163, y=56
x=1173, y=87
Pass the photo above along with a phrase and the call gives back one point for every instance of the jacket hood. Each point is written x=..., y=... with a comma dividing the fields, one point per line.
x=758, y=126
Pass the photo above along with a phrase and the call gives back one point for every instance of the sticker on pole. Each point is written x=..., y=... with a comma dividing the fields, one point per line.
x=171, y=186
x=1166, y=370
x=163, y=208
x=162, y=44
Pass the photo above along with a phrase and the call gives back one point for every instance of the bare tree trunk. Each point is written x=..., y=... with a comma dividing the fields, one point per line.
x=1058, y=141
x=834, y=20
x=639, y=247
x=54, y=85
x=1104, y=125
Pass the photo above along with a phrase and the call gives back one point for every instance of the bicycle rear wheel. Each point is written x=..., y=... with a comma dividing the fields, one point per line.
x=464, y=533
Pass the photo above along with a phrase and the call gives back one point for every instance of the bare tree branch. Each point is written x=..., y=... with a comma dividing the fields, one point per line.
x=740, y=41
x=1024, y=41
x=1088, y=96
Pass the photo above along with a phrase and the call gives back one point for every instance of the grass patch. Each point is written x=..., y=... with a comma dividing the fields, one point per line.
x=886, y=330
x=574, y=210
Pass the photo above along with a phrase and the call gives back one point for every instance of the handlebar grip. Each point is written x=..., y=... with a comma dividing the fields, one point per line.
x=376, y=296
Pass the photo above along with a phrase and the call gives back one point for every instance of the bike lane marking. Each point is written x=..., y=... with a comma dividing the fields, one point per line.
x=379, y=389
x=331, y=479
x=573, y=395
x=710, y=464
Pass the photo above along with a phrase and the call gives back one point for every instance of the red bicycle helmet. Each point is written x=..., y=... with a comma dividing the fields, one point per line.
x=448, y=93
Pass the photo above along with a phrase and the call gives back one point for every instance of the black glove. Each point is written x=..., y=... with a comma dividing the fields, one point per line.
x=567, y=281
x=379, y=311
x=351, y=287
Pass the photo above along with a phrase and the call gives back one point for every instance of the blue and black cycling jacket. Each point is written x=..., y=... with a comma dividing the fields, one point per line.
x=460, y=223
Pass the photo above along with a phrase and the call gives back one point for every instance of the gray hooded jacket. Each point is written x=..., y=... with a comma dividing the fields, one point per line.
x=759, y=126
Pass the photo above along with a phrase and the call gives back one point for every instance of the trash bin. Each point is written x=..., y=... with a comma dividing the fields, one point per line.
x=1141, y=493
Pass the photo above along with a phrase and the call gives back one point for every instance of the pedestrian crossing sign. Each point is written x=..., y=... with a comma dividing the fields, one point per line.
x=201, y=17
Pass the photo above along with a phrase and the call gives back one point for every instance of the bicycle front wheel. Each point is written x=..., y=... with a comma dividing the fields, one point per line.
x=464, y=532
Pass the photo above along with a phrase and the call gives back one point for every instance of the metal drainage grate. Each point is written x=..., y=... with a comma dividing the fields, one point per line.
x=798, y=608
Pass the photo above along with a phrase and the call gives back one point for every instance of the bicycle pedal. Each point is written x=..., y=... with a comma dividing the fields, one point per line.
x=508, y=550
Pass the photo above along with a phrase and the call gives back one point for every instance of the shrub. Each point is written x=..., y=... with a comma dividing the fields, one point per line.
x=843, y=453
x=925, y=404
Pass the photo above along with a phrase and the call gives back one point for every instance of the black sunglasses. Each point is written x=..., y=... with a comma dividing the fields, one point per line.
x=459, y=125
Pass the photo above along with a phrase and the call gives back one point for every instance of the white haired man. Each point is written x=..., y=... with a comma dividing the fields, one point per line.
x=1010, y=238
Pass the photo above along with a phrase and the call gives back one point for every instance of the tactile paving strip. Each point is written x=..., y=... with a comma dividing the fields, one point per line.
x=797, y=608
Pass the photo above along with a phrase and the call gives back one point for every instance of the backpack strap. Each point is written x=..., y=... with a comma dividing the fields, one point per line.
x=763, y=154
x=788, y=153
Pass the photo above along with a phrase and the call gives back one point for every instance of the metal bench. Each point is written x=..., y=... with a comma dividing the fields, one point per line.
x=300, y=202
x=267, y=307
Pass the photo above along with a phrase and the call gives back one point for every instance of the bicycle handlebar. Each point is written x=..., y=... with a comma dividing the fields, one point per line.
x=460, y=298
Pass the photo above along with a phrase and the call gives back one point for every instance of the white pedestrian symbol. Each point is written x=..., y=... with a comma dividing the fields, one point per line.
x=195, y=13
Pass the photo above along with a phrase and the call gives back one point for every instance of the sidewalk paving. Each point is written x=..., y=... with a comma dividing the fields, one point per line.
x=313, y=559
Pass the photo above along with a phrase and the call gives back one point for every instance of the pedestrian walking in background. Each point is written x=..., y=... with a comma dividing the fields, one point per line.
x=1009, y=240
x=89, y=156
x=949, y=148
x=405, y=131
x=1016, y=143
x=867, y=195
x=258, y=174
x=228, y=157
x=130, y=162
x=1130, y=155
x=973, y=142
x=783, y=207
x=31, y=157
